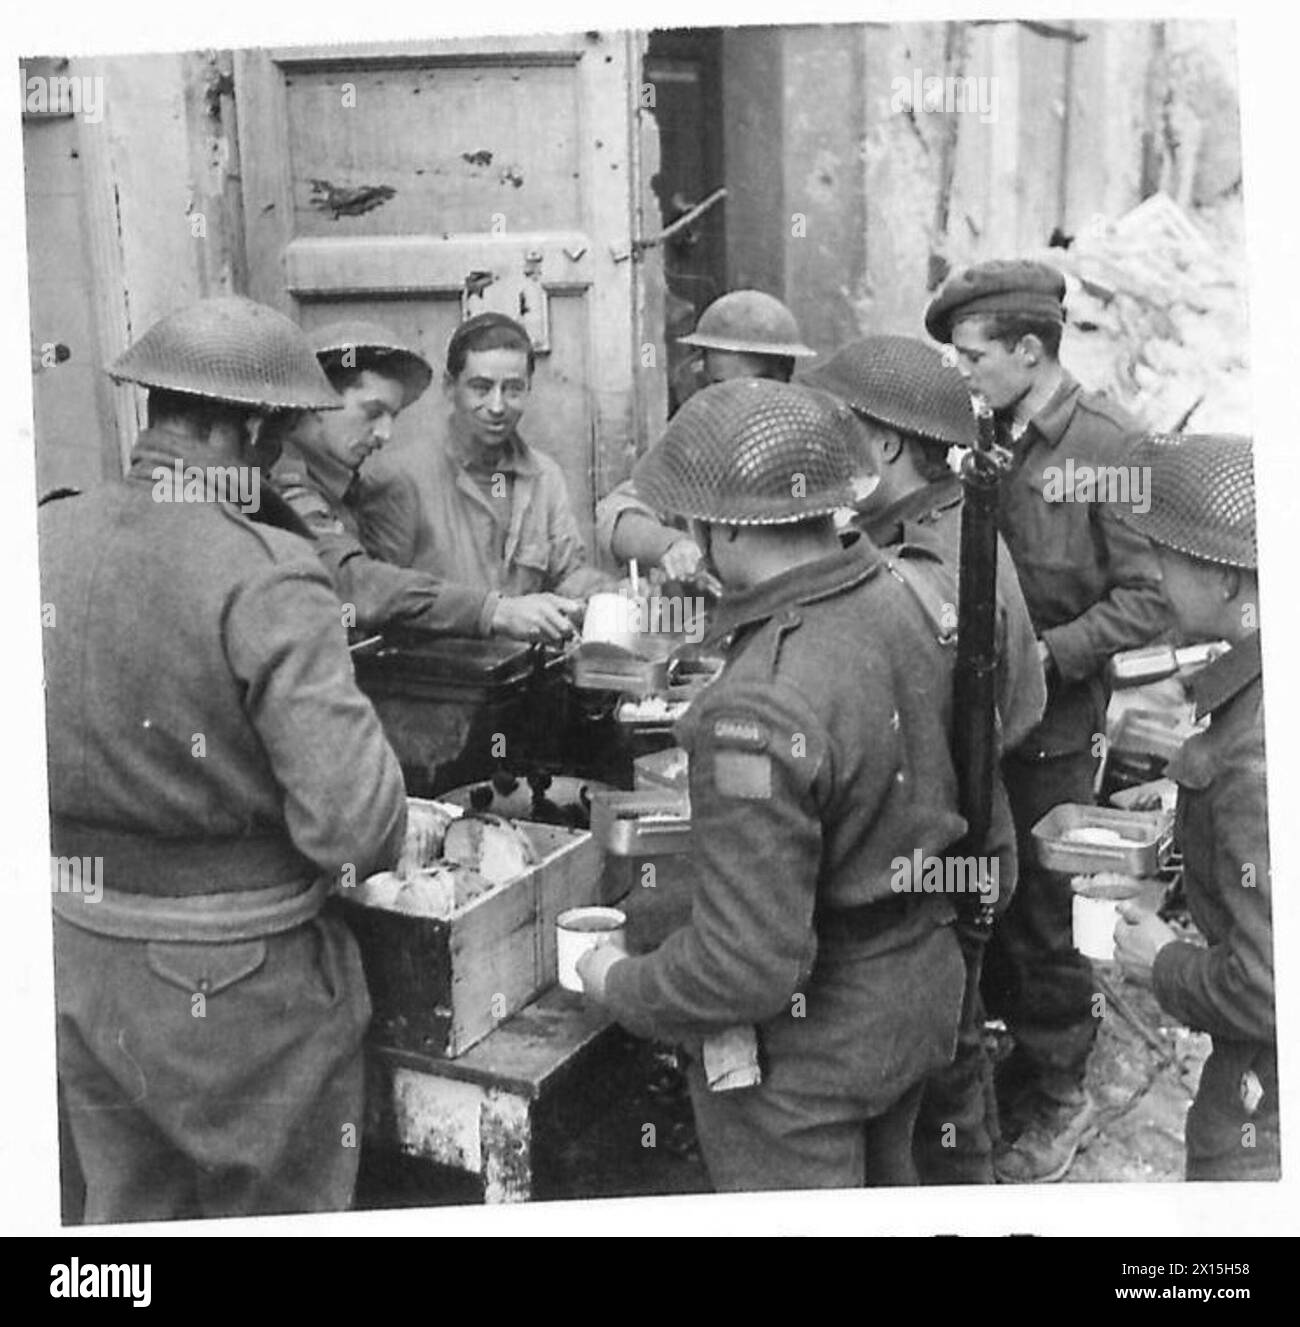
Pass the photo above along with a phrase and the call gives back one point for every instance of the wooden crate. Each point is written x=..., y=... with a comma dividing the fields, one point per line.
x=438, y=986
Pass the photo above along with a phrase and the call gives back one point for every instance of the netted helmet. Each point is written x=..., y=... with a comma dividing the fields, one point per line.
x=752, y=451
x=1199, y=496
x=367, y=345
x=229, y=349
x=749, y=321
x=902, y=383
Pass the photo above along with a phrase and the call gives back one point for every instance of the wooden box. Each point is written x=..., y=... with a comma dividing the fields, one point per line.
x=439, y=985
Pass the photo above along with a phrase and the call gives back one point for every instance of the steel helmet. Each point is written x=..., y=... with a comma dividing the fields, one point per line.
x=374, y=347
x=1200, y=498
x=749, y=321
x=229, y=349
x=752, y=452
x=902, y=383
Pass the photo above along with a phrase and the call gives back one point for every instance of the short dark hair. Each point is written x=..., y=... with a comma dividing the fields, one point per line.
x=487, y=331
x=1010, y=328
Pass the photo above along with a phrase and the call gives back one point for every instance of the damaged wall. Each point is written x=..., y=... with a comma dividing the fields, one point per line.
x=1066, y=124
x=126, y=236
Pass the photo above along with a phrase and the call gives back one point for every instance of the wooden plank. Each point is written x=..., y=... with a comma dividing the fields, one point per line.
x=438, y=1119
x=268, y=198
x=529, y=1054
x=493, y=962
x=425, y=264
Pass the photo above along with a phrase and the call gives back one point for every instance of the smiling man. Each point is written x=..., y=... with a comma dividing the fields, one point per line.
x=319, y=477
x=479, y=505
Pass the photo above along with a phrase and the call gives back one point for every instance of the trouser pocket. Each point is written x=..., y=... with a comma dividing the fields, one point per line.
x=205, y=969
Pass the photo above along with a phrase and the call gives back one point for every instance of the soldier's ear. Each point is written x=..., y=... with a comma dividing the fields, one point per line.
x=1031, y=349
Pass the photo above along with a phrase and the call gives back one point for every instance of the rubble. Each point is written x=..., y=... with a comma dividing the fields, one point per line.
x=1157, y=314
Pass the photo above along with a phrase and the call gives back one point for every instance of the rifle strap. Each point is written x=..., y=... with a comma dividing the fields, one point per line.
x=940, y=612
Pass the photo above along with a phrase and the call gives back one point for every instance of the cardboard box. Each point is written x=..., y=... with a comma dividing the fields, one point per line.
x=440, y=985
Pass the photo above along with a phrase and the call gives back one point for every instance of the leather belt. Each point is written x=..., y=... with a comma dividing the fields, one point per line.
x=196, y=918
x=870, y=919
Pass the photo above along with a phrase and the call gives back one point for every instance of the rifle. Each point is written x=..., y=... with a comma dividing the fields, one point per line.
x=974, y=739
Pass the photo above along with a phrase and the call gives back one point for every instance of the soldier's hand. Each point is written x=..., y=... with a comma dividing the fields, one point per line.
x=541, y=617
x=593, y=969
x=1139, y=936
x=684, y=561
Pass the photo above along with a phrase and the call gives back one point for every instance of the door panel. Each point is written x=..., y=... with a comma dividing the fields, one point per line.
x=415, y=185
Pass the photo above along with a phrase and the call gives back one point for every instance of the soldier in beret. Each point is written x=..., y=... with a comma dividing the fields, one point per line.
x=1202, y=521
x=1093, y=589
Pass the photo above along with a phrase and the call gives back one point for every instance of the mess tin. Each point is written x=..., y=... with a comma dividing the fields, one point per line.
x=1095, y=913
x=581, y=929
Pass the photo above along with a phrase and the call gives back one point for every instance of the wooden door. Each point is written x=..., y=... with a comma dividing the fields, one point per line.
x=413, y=184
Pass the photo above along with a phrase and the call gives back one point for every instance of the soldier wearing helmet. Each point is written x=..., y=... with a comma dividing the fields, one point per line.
x=744, y=334
x=213, y=770
x=912, y=409
x=350, y=514
x=1201, y=520
x=818, y=760
x=1093, y=589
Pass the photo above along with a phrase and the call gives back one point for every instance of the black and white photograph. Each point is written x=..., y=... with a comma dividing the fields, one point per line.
x=667, y=611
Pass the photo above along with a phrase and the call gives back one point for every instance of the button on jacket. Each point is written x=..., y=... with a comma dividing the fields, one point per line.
x=930, y=518
x=817, y=759
x=328, y=498
x=198, y=683
x=1222, y=827
x=447, y=522
x=1092, y=586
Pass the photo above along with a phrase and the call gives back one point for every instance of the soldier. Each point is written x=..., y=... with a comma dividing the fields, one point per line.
x=214, y=768
x=913, y=409
x=744, y=334
x=1092, y=587
x=818, y=760
x=1201, y=519
x=320, y=476
x=477, y=503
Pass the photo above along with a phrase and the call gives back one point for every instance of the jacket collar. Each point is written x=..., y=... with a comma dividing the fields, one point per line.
x=887, y=527
x=515, y=456
x=326, y=473
x=858, y=561
x=1228, y=676
x=1053, y=419
x=157, y=446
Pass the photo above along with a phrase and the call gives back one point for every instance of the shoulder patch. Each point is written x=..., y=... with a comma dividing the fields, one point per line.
x=746, y=733
x=746, y=774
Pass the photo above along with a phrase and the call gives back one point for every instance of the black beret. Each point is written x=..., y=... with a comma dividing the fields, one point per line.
x=1002, y=285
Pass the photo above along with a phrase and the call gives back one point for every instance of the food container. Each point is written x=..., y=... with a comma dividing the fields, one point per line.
x=449, y=707
x=1134, y=668
x=662, y=769
x=612, y=619
x=1158, y=733
x=1095, y=913
x=1139, y=841
x=438, y=985
x=597, y=666
x=641, y=824
x=579, y=929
